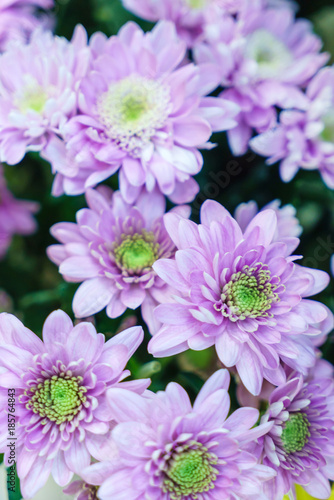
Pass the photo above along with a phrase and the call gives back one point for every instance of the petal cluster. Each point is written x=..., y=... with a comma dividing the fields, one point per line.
x=303, y=138
x=243, y=293
x=19, y=18
x=193, y=18
x=287, y=223
x=169, y=450
x=265, y=56
x=299, y=446
x=190, y=16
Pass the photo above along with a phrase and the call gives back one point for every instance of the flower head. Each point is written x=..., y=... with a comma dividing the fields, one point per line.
x=37, y=90
x=16, y=216
x=299, y=445
x=60, y=395
x=142, y=113
x=111, y=249
x=304, y=137
x=169, y=450
x=264, y=56
x=243, y=293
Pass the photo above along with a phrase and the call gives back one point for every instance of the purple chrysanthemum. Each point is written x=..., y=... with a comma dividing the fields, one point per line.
x=304, y=138
x=300, y=444
x=241, y=292
x=143, y=114
x=18, y=19
x=264, y=58
x=169, y=450
x=287, y=223
x=16, y=216
x=60, y=395
x=111, y=250
x=37, y=90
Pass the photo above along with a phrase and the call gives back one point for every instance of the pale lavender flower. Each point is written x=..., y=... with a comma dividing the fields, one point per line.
x=111, y=250
x=19, y=18
x=37, y=90
x=169, y=450
x=264, y=58
x=300, y=444
x=143, y=114
x=16, y=216
x=241, y=292
x=287, y=223
x=304, y=138
x=60, y=395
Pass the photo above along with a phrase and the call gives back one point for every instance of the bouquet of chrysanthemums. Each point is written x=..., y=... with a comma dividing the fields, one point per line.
x=160, y=225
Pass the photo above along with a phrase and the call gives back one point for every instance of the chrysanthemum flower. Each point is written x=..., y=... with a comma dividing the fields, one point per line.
x=111, y=249
x=287, y=223
x=304, y=138
x=264, y=58
x=190, y=16
x=37, y=90
x=300, y=444
x=241, y=292
x=18, y=19
x=60, y=395
x=169, y=450
x=142, y=113
x=16, y=216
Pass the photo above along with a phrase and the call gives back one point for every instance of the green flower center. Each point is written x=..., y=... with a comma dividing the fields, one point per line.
x=137, y=252
x=189, y=473
x=328, y=132
x=250, y=293
x=296, y=433
x=132, y=110
x=59, y=399
x=270, y=54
